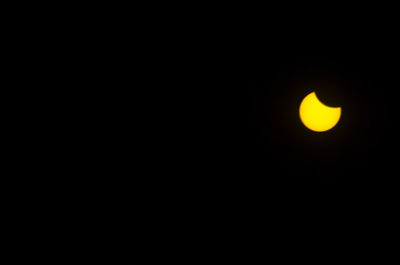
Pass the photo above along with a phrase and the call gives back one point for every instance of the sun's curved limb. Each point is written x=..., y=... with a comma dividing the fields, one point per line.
x=317, y=116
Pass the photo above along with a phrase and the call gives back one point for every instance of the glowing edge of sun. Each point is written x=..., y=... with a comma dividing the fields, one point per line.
x=317, y=116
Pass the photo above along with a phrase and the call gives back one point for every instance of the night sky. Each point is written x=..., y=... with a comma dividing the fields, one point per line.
x=251, y=151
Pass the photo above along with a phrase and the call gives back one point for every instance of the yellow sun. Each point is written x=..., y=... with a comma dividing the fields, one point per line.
x=316, y=116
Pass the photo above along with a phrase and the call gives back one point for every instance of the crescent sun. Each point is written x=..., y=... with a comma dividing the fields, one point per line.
x=317, y=116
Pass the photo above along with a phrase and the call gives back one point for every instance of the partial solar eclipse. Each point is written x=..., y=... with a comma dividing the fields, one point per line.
x=317, y=116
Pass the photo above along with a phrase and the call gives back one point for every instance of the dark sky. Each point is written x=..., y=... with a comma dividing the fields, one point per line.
x=254, y=151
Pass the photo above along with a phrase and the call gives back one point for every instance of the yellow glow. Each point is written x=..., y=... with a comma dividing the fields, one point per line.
x=316, y=116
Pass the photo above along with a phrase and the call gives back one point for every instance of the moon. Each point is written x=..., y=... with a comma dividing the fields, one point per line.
x=317, y=116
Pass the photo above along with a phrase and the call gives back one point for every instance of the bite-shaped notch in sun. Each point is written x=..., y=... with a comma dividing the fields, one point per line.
x=316, y=116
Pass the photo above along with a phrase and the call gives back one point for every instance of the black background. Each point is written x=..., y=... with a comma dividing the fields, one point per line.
x=242, y=162
x=245, y=154
x=248, y=162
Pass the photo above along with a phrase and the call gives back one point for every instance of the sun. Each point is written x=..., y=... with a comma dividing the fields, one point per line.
x=316, y=116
